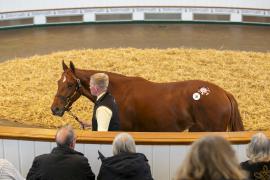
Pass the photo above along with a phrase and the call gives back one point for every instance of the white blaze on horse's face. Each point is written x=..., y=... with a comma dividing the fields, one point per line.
x=64, y=79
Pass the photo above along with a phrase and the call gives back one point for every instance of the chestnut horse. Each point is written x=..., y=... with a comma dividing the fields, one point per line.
x=192, y=105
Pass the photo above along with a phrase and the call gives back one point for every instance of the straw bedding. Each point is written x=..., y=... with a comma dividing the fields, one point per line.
x=28, y=85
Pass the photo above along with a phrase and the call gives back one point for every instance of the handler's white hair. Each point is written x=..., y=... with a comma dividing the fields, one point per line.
x=123, y=143
x=258, y=149
x=101, y=80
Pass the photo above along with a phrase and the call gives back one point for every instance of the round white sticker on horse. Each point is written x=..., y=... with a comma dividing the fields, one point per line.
x=196, y=96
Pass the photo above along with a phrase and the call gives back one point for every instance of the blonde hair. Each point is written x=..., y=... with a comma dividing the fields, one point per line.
x=123, y=143
x=100, y=79
x=210, y=158
x=258, y=150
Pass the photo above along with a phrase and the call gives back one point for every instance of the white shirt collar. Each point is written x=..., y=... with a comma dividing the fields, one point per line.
x=99, y=96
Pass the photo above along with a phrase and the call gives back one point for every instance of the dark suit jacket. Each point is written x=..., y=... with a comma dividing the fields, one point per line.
x=62, y=163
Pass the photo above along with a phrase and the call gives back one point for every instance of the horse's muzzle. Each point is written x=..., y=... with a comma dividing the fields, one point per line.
x=57, y=111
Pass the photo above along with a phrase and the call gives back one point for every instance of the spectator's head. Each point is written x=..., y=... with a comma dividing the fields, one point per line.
x=258, y=150
x=98, y=83
x=123, y=143
x=65, y=136
x=211, y=158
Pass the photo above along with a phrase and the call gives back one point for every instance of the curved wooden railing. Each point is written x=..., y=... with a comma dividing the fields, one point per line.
x=85, y=136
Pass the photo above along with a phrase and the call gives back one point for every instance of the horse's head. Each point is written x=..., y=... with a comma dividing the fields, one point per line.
x=68, y=90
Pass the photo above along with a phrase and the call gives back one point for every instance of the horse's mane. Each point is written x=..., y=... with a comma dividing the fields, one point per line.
x=85, y=72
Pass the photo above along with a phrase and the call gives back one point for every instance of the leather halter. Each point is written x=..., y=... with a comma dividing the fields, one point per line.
x=67, y=100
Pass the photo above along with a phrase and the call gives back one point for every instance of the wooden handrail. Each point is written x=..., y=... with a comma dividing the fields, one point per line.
x=90, y=137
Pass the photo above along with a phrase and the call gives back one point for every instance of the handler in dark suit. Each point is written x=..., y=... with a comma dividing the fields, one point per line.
x=63, y=163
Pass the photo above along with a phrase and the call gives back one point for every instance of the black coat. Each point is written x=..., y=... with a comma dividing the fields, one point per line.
x=62, y=163
x=257, y=171
x=127, y=166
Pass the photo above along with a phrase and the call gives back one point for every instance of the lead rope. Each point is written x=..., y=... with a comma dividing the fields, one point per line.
x=76, y=118
x=69, y=110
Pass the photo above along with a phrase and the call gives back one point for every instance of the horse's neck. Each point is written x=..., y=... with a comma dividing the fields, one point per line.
x=84, y=76
x=117, y=83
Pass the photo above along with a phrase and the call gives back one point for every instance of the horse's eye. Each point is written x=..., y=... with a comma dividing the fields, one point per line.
x=70, y=85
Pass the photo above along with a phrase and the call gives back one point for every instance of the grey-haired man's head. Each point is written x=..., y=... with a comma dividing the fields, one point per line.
x=65, y=136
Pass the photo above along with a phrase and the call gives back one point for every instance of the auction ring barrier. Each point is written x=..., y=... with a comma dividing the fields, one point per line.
x=165, y=151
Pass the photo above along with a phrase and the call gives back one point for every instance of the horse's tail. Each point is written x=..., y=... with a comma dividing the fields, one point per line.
x=235, y=122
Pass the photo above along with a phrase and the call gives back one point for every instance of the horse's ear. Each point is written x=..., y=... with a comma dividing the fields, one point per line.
x=64, y=65
x=72, y=67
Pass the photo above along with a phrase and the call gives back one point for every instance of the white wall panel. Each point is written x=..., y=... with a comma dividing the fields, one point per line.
x=241, y=152
x=1, y=149
x=27, y=155
x=161, y=162
x=80, y=148
x=106, y=150
x=90, y=151
x=42, y=148
x=11, y=152
x=147, y=150
x=177, y=156
x=53, y=145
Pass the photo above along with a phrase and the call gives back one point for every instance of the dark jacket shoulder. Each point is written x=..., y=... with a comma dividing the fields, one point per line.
x=61, y=163
x=257, y=170
x=126, y=166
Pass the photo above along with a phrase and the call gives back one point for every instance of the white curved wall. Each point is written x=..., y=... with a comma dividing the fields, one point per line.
x=163, y=159
x=38, y=11
x=19, y=5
